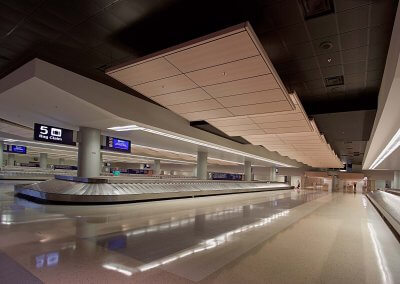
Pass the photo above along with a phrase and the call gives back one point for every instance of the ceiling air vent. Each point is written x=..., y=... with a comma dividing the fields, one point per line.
x=316, y=8
x=334, y=81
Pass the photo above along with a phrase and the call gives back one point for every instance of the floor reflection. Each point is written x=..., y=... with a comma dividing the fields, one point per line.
x=167, y=242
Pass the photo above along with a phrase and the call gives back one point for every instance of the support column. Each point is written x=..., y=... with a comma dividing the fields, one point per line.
x=202, y=165
x=157, y=167
x=43, y=160
x=1, y=153
x=101, y=163
x=289, y=180
x=88, y=152
x=396, y=179
x=335, y=183
x=271, y=174
x=11, y=160
x=247, y=170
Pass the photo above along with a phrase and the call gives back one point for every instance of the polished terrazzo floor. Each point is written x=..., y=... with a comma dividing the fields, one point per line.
x=269, y=237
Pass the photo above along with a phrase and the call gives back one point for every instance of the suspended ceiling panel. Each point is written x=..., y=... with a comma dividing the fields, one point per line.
x=227, y=79
x=224, y=74
x=306, y=147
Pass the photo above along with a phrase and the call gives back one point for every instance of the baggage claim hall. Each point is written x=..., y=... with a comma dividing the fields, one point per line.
x=178, y=141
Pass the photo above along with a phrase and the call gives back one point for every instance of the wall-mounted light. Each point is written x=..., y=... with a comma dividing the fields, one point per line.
x=393, y=144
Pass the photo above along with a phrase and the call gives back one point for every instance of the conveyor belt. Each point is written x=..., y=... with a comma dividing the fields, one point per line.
x=389, y=206
x=72, y=191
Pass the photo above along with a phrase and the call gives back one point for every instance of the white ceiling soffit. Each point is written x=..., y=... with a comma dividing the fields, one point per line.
x=383, y=146
x=139, y=153
x=15, y=129
x=227, y=79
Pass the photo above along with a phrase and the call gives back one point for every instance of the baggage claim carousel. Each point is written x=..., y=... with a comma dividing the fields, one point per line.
x=65, y=189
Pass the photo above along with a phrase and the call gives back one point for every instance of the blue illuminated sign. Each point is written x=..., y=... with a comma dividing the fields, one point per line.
x=120, y=144
x=117, y=144
x=15, y=149
x=18, y=149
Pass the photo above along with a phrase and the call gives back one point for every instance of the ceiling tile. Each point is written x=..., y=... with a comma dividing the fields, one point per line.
x=322, y=26
x=335, y=91
x=355, y=54
x=341, y=5
x=377, y=51
x=232, y=121
x=264, y=82
x=380, y=35
x=354, y=39
x=330, y=71
x=244, y=68
x=354, y=78
x=191, y=95
x=108, y=21
x=207, y=114
x=219, y=51
x=318, y=47
x=305, y=64
x=277, y=118
x=291, y=16
x=245, y=132
x=321, y=92
x=66, y=11
x=347, y=22
x=274, y=47
x=291, y=123
x=196, y=106
x=355, y=67
x=329, y=59
x=136, y=74
x=260, y=108
x=376, y=64
x=239, y=127
x=315, y=84
x=294, y=34
x=287, y=130
x=302, y=50
x=375, y=75
x=309, y=75
x=253, y=98
x=383, y=13
x=164, y=86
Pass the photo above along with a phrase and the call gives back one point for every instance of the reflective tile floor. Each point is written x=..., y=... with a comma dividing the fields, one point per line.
x=268, y=237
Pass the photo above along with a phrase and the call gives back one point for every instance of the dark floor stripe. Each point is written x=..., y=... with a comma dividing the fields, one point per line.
x=12, y=272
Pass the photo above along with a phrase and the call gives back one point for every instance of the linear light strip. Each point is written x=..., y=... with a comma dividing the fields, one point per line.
x=393, y=144
x=213, y=146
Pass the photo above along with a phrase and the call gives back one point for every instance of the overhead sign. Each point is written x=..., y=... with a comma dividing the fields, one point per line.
x=226, y=176
x=117, y=144
x=15, y=149
x=53, y=134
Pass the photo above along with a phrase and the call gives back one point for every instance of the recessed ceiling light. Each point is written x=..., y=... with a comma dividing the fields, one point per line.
x=326, y=45
x=126, y=128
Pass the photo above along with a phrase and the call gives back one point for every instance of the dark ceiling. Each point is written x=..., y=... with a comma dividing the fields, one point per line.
x=86, y=36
